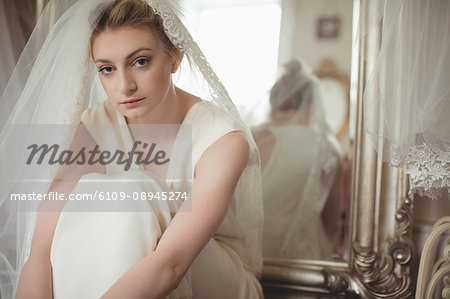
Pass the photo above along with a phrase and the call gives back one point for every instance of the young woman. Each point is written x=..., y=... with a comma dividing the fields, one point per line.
x=208, y=250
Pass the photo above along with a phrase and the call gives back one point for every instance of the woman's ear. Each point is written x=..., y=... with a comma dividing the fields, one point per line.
x=177, y=59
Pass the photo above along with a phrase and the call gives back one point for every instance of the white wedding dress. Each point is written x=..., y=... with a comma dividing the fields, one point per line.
x=92, y=250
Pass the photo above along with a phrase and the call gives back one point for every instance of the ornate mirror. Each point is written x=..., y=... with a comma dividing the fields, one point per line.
x=380, y=224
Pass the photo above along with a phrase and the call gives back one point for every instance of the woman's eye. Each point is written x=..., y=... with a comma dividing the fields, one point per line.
x=141, y=62
x=106, y=70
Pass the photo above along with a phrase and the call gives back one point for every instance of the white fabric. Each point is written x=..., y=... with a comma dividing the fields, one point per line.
x=55, y=80
x=409, y=85
x=91, y=251
x=285, y=178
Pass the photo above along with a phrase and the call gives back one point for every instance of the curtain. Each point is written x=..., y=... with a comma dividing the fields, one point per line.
x=17, y=19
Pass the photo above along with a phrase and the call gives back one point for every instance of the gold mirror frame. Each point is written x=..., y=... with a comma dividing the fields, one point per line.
x=379, y=263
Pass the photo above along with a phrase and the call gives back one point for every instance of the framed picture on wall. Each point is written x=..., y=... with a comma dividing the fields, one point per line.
x=328, y=27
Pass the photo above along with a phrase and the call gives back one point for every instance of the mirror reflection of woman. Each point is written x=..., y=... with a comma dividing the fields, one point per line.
x=300, y=161
x=212, y=251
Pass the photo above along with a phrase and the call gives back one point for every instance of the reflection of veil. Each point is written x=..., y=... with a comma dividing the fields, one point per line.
x=300, y=169
x=52, y=83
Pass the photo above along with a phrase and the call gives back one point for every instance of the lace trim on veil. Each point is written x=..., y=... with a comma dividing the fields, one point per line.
x=428, y=167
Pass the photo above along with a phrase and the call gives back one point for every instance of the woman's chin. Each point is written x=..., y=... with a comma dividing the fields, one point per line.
x=133, y=115
x=130, y=116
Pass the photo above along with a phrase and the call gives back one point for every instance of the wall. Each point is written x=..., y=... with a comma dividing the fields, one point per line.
x=299, y=39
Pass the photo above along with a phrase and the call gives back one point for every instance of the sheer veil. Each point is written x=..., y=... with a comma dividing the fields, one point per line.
x=55, y=80
x=409, y=84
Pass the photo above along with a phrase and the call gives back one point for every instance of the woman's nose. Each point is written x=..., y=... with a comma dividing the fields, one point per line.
x=127, y=84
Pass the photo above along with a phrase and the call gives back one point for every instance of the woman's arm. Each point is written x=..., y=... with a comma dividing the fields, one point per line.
x=216, y=176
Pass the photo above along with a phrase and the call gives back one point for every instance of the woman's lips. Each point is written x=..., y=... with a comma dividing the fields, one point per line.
x=131, y=102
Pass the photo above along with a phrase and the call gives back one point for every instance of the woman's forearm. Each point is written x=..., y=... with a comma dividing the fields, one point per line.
x=149, y=278
x=36, y=279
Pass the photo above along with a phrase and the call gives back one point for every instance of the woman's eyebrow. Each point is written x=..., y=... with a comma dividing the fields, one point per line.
x=137, y=51
x=128, y=56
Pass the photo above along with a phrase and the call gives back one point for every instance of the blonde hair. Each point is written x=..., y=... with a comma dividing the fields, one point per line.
x=133, y=13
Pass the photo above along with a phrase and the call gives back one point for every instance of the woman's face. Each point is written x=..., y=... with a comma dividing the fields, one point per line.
x=135, y=71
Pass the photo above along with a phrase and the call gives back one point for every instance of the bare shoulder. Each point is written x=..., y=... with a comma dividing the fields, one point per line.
x=234, y=143
x=234, y=139
x=229, y=152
